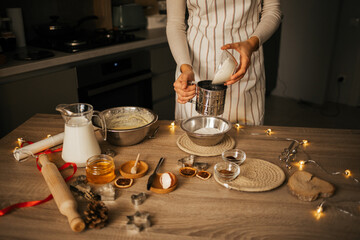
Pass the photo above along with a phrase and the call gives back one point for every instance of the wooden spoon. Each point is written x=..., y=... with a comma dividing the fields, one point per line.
x=134, y=168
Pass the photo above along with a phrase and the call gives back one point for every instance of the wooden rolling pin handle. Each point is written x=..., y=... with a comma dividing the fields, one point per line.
x=61, y=193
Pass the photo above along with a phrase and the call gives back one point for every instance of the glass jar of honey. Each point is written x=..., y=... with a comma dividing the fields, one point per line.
x=100, y=169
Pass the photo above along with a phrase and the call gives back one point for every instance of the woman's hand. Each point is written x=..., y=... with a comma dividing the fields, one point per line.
x=245, y=49
x=185, y=91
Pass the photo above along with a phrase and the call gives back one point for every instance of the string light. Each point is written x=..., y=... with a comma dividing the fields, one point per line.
x=345, y=208
x=347, y=173
x=49, y=135
x=301, y=164
x=268, y=131
x=319, y=210
x=237, y=126
x=172, y=127
x=304, y=142
x=290, y=152
x=20, y=141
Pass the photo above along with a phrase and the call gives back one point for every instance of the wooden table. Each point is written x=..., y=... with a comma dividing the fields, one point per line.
x=197, y=209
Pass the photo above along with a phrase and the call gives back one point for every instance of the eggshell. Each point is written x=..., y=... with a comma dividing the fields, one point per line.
x=166, y=180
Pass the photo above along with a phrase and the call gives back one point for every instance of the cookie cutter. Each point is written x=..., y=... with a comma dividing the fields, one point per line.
x=138, y=199
x=191, y=162
x=138, y=222
x=187, y=161
x=81, y=179
x=110, y=152
x=201, y=165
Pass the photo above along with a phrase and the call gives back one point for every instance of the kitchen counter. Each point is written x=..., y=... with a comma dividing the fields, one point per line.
x=13, y=67
x=196, y=209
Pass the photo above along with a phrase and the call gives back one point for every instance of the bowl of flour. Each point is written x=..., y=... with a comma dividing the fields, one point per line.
x=225, y=69
x=206, y=130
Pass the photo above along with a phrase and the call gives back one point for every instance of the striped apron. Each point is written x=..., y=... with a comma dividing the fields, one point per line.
x=212, y=24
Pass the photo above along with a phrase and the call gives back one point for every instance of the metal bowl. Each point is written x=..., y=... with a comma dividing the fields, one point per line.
x=126, y=126
x=216, y=128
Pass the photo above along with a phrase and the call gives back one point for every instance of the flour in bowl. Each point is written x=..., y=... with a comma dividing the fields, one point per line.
x=206, y=130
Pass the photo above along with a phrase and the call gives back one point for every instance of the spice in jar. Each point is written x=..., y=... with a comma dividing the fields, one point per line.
x=100, y=169
x=187, y=171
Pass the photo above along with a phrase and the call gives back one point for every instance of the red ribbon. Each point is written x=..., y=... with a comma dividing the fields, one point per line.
x=48, y=198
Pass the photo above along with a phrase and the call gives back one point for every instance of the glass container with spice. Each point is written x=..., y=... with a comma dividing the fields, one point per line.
x=227, y=171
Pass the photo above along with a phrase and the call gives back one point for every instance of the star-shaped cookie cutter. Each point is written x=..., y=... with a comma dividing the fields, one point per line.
x=201, y=165
x=138, y=222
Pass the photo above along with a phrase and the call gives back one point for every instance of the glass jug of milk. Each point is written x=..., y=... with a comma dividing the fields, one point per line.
x=80, y=142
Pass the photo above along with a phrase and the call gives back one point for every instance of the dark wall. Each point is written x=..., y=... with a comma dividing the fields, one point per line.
x=38, y=12
x=271, y=57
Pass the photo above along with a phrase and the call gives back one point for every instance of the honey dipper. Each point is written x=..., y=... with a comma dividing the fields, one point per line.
x=133, y=170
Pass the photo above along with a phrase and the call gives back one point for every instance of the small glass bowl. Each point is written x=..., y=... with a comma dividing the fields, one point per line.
x=234, y=155
x=226, y=171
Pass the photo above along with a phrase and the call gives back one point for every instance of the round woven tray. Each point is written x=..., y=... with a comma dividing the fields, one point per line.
x=256, y=175
x=185, y=144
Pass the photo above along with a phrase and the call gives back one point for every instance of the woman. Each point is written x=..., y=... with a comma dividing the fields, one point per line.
x=213, y=26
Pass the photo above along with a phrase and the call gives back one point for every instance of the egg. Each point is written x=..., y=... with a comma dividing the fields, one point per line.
x=167, y=180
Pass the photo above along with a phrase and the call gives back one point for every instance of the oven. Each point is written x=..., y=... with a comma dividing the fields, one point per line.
x=122, y=80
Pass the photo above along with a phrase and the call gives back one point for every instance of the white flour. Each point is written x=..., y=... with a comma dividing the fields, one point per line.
x=225, y=71
x=207, y=131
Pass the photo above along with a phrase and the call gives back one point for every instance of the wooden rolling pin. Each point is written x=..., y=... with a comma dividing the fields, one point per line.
x=61, y=193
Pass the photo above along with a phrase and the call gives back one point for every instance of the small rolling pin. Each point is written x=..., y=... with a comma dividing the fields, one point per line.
x=61, y=193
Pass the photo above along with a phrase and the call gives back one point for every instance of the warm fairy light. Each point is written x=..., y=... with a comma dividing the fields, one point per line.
x=304, y=142
x=49, y=135
x=301, y=164
x=20, y=141
x=319, y=211
x=172, y=127
x=268, y=131
x=16, y=148
x=320, y=208
x=347, y=173
x=238, y=126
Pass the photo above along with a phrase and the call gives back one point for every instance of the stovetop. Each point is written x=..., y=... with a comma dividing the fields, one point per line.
x=84, y=40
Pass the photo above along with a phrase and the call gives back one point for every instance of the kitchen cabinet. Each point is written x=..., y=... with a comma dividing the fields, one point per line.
x=163, y=75
x=21, y=99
